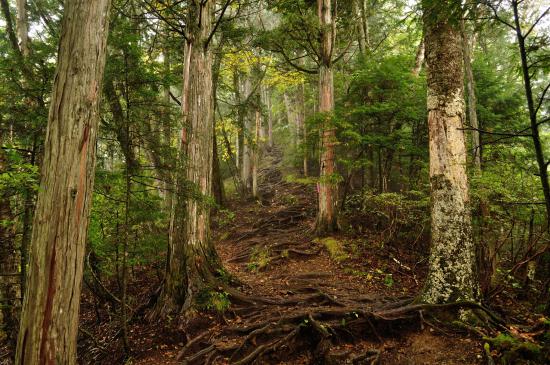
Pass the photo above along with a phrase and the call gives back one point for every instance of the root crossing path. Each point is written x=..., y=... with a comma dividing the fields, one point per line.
x=286, y=297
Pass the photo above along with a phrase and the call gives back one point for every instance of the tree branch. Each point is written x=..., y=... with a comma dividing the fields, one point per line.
x=544, y=13
x=226, y=5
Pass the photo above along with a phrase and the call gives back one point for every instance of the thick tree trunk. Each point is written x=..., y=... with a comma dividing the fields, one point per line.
x=451, y=274
x=327, y=214
x=192, y=257
x=49, y=322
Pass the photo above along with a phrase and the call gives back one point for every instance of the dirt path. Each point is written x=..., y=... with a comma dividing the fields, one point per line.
x=294, y=293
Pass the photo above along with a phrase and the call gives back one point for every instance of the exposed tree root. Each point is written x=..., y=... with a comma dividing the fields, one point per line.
x=314, y=330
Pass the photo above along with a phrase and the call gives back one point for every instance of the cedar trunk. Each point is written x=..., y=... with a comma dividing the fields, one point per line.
x=49, y=322
x=192, y=257
x=451, y=274
x=327, y=215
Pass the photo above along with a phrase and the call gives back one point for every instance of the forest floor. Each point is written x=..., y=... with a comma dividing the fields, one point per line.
x=270, y=248
x=289, y=296
x=289, y=281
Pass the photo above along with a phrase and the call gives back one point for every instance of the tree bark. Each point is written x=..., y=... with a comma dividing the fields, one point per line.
x=256, y=153
x=468, y=41
x=192, y=257
x=246, y=165
x=267, y=101
x=23, y=27
x=327, y=187
x=49, y=322
x=419, y=59
x=451, y=274
x=359, y=10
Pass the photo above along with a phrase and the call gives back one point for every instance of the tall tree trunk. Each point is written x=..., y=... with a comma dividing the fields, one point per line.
x=49, y=322
x=246, y=166
x=359, y=10
x=533, y=111
x=167, y=138
x=256, y=152
x=301, y=116
x=23, y=27
x=291, y=118
x=419, y=59
x=327, y=214
x=192, y=257
x=468, y=42
x=267, y=101
x=451, y=274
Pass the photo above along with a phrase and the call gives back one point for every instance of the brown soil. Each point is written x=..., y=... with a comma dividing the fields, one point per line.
x=269, y=248
x=284, y=273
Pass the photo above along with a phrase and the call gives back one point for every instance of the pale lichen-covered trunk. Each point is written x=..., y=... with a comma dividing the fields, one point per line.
x=49, y=323
x=451, y=274
x=327, y=214
x=419, y=59
x=192, y=257
x=23, y=27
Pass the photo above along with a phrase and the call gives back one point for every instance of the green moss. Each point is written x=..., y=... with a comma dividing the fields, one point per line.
x=334, y=247
x=514, y=350
x=301, y=180
x=259, y=259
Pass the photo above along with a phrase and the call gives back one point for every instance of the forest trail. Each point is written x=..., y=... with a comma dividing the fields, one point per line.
x=284, y=273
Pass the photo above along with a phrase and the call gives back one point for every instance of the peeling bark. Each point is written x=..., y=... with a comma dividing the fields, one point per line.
x=49, y=322
x=451, y=274
x=192, y=257
x=327, y=214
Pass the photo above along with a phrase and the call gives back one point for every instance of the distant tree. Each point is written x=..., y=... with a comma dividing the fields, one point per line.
x=49, y=322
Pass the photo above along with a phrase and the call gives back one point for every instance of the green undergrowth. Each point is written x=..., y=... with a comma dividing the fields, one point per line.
x=213, y=300
x=512, y=350
x=259, y=259
x=304, y=180
x=335, y=248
